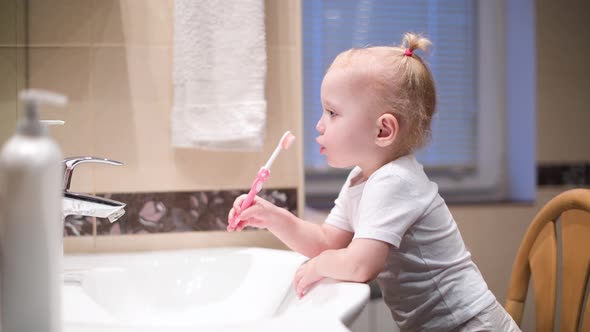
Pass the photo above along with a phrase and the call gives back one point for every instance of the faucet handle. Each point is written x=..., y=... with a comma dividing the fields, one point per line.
x=72, y=162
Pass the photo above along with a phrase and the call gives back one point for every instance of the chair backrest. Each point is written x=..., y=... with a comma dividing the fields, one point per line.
x=538, y=256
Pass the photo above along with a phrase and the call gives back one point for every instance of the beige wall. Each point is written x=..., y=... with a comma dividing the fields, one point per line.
x=563, y=71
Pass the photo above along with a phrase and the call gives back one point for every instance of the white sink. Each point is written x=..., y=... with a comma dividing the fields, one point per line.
x=197, y=288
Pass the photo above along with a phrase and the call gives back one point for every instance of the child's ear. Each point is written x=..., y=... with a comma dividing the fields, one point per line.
x=388, y=129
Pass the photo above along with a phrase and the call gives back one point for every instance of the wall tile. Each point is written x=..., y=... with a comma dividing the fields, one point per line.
x=65, y=70
x=79, y=226
x=107, y=23
x=116, y=139
x=76, y=137
x=12, y=78
x=8, y=85
x=59, y=22
x=8, y=23
x=172, y=241
x=138, y=74
x=8, y=111
x=110, y=75
x=150, y=74
x=159, y=212
x=132, y=22
x=136, y=135
x=11, y=22
x=61, y=69
x=563, y=79
x=21, y=23
x=9, y=73
x=79, y=244
x=573, y=174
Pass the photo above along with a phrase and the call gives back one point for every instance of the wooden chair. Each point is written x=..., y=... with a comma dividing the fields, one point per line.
x=538, y=255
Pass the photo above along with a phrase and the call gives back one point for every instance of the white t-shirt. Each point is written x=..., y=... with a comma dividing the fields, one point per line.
x=429, y=281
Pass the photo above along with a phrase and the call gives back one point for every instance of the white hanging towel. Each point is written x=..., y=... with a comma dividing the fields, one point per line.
x=219, y=75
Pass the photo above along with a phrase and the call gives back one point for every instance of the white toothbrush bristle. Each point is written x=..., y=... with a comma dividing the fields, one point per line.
x=287, y=140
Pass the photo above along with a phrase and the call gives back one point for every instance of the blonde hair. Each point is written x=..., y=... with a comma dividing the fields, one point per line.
x=403, y=86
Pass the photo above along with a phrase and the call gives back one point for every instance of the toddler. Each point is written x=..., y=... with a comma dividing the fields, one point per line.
x=388, y=222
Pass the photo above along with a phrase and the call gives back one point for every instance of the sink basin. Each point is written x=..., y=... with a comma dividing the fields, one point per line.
x=199, y=287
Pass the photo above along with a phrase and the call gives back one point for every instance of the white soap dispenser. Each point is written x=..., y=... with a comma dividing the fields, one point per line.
x=31, y=229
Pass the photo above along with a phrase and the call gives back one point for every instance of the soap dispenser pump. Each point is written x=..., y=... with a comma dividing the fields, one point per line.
x=31, y=230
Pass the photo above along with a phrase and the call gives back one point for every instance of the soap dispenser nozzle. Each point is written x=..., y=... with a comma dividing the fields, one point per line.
x=29, y=124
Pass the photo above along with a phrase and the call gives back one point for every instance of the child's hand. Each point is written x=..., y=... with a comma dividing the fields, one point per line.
x=306, y=277
x=259, y=214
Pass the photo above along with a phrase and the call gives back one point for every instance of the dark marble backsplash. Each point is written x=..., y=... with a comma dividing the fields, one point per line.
x=564, y=174
x=173, y=212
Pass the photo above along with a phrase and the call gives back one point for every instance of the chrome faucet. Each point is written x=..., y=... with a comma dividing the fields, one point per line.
x=85, y=204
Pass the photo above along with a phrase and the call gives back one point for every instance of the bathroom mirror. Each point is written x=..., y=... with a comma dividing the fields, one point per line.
x=12, y=62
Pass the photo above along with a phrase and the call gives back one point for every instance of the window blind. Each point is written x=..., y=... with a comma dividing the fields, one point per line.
x=332, y=26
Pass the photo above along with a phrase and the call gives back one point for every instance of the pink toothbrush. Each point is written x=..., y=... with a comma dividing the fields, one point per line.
x=262, y=176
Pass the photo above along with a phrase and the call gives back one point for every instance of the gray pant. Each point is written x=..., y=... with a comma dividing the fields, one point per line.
x=493, y=318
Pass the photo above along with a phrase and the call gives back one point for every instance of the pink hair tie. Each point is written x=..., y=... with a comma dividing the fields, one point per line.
x=408, y=52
